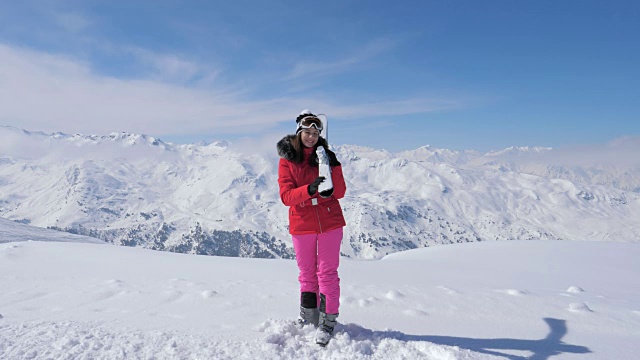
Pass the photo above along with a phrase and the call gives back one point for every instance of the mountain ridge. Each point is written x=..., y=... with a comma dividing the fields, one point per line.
x=137, y=190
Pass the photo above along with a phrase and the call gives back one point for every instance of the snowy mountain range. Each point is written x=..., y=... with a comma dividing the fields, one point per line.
x=219, y=199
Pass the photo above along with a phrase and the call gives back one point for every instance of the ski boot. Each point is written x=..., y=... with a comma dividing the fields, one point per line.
x=324, y=333
x=309, y=313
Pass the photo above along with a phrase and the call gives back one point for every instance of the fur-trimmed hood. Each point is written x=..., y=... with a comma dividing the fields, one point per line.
x=286, y=149
x=288, y=152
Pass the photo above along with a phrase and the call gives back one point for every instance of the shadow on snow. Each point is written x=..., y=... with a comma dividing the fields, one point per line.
x=542, y=349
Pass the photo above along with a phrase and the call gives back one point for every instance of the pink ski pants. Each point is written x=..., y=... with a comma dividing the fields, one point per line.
x=318, y=257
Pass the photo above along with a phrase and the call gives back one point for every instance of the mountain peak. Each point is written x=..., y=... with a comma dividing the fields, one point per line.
x=136, y=139
x=517, y=150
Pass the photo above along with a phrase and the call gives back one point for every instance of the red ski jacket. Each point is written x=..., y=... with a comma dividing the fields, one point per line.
x=310, y=214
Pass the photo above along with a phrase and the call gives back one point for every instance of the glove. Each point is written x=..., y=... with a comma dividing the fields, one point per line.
x=333, y=160
x=313, y=187
x=326, y=193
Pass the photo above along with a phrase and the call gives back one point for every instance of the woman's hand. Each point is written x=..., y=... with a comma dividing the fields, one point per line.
x=313, y=187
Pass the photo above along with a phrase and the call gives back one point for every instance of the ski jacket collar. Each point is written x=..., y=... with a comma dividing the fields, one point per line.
x=286, y=149
x=288, y=152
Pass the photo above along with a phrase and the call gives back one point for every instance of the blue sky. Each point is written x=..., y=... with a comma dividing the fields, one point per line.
x=397, y=75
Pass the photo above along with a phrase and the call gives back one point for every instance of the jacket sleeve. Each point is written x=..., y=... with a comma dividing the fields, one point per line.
x=339, y=186
x=333, y=160
x=289, y=193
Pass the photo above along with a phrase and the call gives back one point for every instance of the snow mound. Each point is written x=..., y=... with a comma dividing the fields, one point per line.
x=394, y=295
x=352, y=341
x=513, y=292
x=575, y=290
x=73, y=340
x=209, y=294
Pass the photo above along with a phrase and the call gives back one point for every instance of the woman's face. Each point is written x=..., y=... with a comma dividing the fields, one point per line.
x=309, y=137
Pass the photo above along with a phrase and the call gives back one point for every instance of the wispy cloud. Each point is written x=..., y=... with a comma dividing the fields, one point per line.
x=316, y=69
x=71, y=21
x=312, y=68
x=41, y=91
x=172, y=68
x=416, y=105
x=51, y=93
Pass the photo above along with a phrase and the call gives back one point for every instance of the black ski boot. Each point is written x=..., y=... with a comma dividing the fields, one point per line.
x=309, y=313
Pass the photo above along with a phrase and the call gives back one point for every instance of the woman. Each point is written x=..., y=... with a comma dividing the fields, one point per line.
x=315, y=223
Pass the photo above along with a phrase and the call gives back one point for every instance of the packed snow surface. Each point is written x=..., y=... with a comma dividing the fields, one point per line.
x=486, y=300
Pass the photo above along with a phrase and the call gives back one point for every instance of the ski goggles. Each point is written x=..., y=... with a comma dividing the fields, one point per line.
x=309, y=122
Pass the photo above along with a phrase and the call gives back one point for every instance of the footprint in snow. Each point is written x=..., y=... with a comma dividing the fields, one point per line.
x=367, y=302
x=108, y=294
x=579, y=308
x=173, y=295
x=9, y=247
x=415, y=313
x=347, y=300
x=114, y=283
x=448, y=290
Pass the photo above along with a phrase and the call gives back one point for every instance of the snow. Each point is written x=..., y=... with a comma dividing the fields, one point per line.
x=11, y=231
x=485, y=300
x=136, y=189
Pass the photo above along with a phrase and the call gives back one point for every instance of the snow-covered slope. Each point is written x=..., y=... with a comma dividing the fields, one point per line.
x=11, y=231
x=487, y=300
x=211, y=199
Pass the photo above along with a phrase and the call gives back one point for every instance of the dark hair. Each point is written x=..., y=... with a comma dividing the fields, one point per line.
x=313, y=159
x=297, y=146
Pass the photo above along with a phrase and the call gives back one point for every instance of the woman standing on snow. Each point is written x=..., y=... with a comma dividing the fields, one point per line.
x=315, y=223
